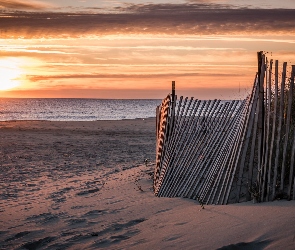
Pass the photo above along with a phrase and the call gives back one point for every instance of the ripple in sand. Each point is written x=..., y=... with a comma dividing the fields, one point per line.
x=39, y=243
x=44, y=218
x=257, y=245
x=17, y=236
x=86, y=192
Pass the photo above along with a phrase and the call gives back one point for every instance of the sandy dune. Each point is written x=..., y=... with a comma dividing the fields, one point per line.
x=84, y=185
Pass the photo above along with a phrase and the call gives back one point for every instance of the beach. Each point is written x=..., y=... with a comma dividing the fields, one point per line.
x=88, y=185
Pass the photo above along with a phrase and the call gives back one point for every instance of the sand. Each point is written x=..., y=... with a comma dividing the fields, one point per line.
x=85, y=185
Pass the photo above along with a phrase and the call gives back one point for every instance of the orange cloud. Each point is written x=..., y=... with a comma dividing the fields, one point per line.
x=157, y=93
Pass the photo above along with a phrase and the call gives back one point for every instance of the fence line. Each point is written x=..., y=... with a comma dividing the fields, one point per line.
x=221, y=152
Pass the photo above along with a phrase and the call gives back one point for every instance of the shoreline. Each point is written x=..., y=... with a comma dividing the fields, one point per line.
x=145, y=118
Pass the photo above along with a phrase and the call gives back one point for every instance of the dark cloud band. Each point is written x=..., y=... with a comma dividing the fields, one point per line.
x=187, y=19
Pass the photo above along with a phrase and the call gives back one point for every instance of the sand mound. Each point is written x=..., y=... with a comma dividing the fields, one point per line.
x=84, y=185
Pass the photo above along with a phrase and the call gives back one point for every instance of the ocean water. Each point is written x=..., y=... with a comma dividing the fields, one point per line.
x=76, y=109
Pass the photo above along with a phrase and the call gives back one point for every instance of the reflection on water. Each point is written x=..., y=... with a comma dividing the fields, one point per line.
x=76, y=109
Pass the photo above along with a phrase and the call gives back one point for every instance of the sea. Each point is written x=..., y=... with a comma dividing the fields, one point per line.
x=76, y=109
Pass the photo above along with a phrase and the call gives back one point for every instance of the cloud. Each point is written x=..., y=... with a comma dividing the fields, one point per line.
x=167, y=19
x=161, y=8
x=22, y=5
x=36, y=78
x=156, y=93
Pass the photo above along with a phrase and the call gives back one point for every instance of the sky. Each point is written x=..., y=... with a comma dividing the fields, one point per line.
x=134, y=49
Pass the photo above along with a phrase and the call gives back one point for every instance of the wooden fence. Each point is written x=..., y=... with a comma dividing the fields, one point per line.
x=220, y=152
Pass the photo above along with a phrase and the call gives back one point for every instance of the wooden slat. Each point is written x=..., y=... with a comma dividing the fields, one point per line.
x=271, y=152
x=292, y=160
x=287, y=132
x=280, y=119
x=250, y=180
x=261, y=117
x=267, y=128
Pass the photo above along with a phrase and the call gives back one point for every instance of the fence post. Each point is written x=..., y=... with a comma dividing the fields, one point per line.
x=293, y=146
x=267, y=128
x=173, y=91
x=261, y=69
x=172, y=108
x=287, y=131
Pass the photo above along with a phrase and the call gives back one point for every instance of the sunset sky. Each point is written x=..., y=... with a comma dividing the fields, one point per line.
x=135, y=48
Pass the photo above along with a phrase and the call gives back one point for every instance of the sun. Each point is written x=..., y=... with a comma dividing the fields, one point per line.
x=9, y=74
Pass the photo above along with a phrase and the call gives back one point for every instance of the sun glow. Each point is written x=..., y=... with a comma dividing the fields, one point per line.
x=10, y=73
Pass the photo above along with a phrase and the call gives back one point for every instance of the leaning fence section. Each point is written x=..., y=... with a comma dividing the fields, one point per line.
x=275, y=152
x=220, y=152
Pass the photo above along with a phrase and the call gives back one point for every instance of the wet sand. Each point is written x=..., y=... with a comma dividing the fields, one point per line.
x=85, y=185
